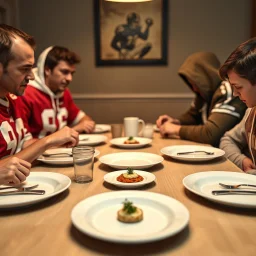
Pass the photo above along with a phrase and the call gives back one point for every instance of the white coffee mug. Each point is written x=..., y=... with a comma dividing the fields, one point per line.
x=131, y=126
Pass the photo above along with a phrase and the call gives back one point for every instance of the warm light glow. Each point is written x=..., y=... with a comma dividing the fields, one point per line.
x=128, y=1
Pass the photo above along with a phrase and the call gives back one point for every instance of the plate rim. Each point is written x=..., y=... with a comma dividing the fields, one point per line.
x=207, y=173
x=140, y=145
x=62, y=161
x=134, y=193
x=44, y=197
x=106, y=130
x=128, y=185
x=86, y=143
x=182, y=158
x=137, y=167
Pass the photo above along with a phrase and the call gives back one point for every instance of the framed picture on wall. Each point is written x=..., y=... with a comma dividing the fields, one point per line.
x=131, y=33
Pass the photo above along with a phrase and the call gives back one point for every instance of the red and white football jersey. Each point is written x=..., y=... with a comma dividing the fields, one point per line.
x=12, y=131
x=46, y=115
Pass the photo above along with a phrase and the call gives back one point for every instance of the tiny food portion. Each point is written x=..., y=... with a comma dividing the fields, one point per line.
x=129, y=177
x=129, y=213
x=131, y=140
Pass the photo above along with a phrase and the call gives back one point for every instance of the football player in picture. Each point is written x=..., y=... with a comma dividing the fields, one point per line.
x=126, y=38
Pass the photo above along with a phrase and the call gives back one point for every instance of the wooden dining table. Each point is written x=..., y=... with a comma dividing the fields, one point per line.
x=46, y=228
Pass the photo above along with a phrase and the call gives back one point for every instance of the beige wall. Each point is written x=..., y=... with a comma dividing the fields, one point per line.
x=109, y=93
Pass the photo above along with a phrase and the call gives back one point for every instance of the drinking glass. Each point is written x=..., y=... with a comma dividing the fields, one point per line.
x=83, y=158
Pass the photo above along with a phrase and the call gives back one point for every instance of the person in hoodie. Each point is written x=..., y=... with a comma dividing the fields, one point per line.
x=214, y=109
x=239, y=143
x=17, y=148
x=47, y=102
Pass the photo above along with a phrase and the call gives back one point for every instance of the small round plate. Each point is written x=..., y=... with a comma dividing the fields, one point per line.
x=134, y=160
x=101, y=128
x=52, y=183
x=173, y=151
x=112, y=179
x=119, y=142
x=91, y=139
x=49, y=156
x=203, y=183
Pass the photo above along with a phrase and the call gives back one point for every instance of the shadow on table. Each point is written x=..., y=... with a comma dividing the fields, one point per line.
x=132, y=149
x=35, y=207
x=220, y=207
x=155, y=168
x=145, y=187
x=221, y=159
x=109, y=248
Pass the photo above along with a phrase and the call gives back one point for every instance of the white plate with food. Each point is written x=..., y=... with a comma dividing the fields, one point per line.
x=101, y=128
x=53, y=184
x=161, y=217
x=129, y=178
x=130, y=142
x=203, y=183
x=134, y=160
x=156, y=129
x=60, y=156
x=91, y=139
x=192, y=152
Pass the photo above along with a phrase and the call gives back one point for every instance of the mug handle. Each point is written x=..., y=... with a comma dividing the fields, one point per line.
x=142, y=128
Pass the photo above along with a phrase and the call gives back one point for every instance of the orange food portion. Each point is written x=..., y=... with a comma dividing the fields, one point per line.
x=121, y=178
x=131, y=142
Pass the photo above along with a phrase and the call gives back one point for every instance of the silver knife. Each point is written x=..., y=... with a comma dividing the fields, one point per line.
x=30, y=192
x=233, y=192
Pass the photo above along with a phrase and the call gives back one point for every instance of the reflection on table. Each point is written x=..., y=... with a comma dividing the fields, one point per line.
x=45, y=228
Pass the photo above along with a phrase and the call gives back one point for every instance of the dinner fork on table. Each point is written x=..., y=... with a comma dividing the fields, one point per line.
x=22, y=190
x=236, y=186
x=60, y=154
x=19, y=188
x=196, y=151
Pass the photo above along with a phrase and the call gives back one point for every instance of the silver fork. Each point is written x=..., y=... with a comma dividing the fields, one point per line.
x=236, y=186
x=61, y=154
x=20, y=188
x=197, y=151
x=26, y=192
x=23, y=190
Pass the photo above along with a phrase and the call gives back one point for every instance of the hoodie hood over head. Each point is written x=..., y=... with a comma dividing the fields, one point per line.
x=202, y=68
x=39, y=81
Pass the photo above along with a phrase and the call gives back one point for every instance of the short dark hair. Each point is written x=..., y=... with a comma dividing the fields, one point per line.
x=58, y=53
x=6, y=34
x=242, y=61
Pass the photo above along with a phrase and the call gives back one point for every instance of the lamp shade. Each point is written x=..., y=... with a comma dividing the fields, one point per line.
x=128, y=1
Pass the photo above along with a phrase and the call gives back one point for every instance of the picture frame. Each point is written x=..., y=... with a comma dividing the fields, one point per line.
x=131, y=33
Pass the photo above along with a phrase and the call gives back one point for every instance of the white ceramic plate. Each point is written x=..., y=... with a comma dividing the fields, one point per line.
x=52, y=183
x=119, y=142
x=156, y=129
x=135, y=160
x=91, y=139
x=112, y=179
x=48, y=156
x=163, y=216
x=173, y=151
x=203, y=183
x=100, y=128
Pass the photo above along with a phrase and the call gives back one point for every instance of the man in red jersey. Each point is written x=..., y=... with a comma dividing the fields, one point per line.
x=16, y=62
x=47, y=102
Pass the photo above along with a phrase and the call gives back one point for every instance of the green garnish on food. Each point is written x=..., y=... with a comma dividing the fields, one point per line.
x=130, y=138
x=129, y=170
x=128, y=207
